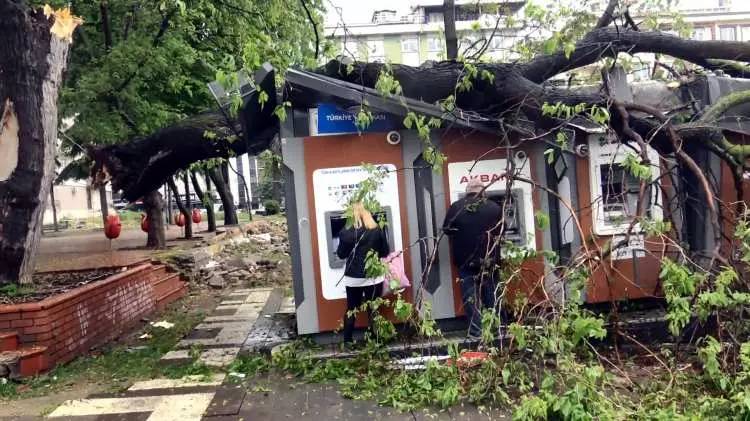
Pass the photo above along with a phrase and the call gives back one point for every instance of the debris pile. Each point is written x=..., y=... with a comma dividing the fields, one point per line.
x=259, y=257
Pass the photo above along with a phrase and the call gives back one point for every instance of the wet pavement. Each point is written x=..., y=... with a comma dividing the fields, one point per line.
x=91, y=249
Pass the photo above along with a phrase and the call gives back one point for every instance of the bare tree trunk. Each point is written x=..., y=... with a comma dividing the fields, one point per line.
x=32, y=60
x=169, y=205
x=103, y=204
x=205, y=199
x=180, y=205
x=449, y=20
x=154, y=204
x=188, y=208
x=227, y=201
x=211, y=214
x=54, y=207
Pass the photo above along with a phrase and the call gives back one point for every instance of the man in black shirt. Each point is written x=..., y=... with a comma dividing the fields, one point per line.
x=472, y=223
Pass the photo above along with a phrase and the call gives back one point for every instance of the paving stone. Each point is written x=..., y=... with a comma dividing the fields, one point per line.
x=231, y=302
x=219, y=357
x=203, y=333
x=231, y=333
x=175, y=407
x=177, y=356
x=212, y=380
x=227, y=400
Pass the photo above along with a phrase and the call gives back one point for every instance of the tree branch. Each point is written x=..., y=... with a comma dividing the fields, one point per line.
x=608, y=16
x=608, y=42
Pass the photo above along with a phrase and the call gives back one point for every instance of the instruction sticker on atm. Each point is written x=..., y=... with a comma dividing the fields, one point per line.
x=628, y=248
x=332, y=188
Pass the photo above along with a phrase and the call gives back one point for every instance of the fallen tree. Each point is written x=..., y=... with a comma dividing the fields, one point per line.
x=509, y=93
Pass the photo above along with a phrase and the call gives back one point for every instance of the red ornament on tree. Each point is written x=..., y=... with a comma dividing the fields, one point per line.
x=144, y=222
x=112, y=226
x=197, y=216
x=179, y=219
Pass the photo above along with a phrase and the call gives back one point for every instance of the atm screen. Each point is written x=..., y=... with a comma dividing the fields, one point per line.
x=336, y=221
x=513, y=214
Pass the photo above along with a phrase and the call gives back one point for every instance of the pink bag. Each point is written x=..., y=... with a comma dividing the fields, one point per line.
x=396, y=275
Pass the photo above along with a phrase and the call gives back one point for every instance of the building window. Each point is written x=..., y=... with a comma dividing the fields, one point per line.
x=496, y=43
x=435, y=17
x=728, y=33
x=410, y=45
x=468, y=42
x=410, y=51
x=701, y=34
x=745, y=33
x=375, y=51
x=351, y=49
x=434, y=43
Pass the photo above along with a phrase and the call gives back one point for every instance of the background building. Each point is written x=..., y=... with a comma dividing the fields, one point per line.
x=418, y=36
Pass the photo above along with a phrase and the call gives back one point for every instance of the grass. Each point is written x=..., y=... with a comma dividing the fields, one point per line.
x=120, y=365
x=14, y=290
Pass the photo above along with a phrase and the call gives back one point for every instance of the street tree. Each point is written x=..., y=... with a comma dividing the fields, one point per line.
x=34, y=45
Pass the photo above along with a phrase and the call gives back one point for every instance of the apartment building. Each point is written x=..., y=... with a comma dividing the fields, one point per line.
x=418, y=36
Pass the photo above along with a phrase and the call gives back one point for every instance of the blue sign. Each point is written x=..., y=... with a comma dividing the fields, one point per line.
x=333, y=120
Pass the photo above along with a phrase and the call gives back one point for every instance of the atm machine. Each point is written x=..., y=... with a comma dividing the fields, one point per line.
x=323, y=155
x=332, y=188
x=608, y=195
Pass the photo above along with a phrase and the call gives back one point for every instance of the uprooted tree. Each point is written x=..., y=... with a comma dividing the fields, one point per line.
x=33, y=54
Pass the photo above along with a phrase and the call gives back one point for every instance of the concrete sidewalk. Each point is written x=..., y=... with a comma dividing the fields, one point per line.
x=240, y=320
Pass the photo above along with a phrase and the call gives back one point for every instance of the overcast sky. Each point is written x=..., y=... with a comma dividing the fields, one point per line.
x=360, y=11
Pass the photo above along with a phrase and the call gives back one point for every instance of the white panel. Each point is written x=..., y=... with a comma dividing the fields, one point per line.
x=493, y=171
x=331, y=190
x=604, y=153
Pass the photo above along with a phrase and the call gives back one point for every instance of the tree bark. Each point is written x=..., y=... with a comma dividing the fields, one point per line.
x=188, y=208
x=154, y=204
x=54, y=207
x=141, y=165
x=103, y=204
x=169, y=205
x=180, y=205
x=32, y=60
x=449, y=20
x=206, y=200
x=211, y=214
x=227, y=201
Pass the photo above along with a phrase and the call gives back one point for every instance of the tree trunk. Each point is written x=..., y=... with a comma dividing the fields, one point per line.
x=103, y=204
x=188, y=208
x=206, y=200
x=211, y=214
x=32, y=60
x=179, y=203
x=169, y=205
x=449, y=20
x=54, y=207
x=154, y=204
x=227, y=201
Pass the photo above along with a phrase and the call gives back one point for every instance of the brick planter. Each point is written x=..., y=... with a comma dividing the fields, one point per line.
x=70, y=324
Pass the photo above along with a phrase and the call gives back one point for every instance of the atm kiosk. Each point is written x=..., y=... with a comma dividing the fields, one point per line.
x=608, y=201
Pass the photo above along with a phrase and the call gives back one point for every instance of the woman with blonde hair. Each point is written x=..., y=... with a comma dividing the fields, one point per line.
x=364, y=237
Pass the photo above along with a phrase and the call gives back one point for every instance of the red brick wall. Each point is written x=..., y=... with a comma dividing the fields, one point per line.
x=70, y=324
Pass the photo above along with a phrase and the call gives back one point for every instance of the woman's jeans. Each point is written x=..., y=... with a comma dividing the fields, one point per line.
x=473, y=298
x=355, y=297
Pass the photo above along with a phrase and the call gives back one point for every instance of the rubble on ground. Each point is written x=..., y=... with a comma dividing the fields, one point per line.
x=256, y=256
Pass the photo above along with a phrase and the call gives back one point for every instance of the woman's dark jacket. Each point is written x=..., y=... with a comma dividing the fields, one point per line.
x=354, y=243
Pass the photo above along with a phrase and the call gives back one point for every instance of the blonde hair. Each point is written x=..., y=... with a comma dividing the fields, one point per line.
x=362, y=217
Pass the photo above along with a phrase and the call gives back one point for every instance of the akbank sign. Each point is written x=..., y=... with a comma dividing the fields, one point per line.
x=333, y=120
